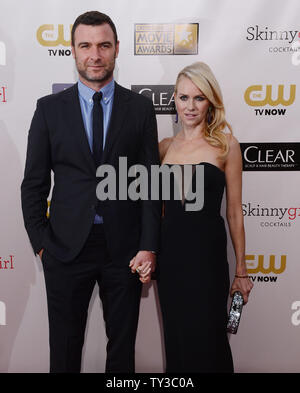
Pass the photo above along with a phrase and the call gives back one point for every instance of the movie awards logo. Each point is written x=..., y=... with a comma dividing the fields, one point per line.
x=270, y=267
x=2, y=314
x=2, y=54
x=271, y=156
x=166, y=39
x=54, y=36
x=259, y=96
x=296, y=315
x=162, y=97
x=271, y=217
x=281, y=40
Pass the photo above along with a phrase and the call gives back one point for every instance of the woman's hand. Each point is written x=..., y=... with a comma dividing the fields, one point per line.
x=244, y=285
x=41, y=254
x=144, y=264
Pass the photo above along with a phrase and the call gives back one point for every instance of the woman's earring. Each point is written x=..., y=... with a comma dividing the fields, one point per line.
x=176, y=118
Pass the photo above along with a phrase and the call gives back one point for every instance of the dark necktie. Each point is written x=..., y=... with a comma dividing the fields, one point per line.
x=97, y=128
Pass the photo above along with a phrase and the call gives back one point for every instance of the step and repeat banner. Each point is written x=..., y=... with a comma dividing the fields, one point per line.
x=253, y=48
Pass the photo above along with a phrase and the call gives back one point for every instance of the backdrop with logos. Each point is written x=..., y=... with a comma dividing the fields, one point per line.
x=253, y=48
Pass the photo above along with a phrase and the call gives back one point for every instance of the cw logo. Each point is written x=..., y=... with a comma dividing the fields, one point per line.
x=252, y=93
x=2, y=54
x=2, y=314
x=45, y=36
x=259, y=266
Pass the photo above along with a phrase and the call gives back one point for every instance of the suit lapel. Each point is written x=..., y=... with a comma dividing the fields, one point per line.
x=118, y=116
x=74, y=116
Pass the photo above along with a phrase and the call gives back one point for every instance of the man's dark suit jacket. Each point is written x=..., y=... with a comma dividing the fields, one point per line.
x=57, y=141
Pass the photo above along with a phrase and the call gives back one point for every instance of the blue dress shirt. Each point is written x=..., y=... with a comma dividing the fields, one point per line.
x=86, y=104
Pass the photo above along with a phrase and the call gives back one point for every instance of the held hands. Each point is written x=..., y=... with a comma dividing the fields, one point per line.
x=243, y=284
x=41, y=253
x=144, y=264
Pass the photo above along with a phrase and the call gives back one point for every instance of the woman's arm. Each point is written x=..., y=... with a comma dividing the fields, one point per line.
x=233, y=173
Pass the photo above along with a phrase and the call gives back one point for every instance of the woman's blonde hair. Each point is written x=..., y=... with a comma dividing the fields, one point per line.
x=201, y=75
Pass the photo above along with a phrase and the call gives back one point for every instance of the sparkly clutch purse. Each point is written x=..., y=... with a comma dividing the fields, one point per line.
x=235, y=312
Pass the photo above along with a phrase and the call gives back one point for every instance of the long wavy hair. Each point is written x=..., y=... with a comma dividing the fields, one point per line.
x=202, y=76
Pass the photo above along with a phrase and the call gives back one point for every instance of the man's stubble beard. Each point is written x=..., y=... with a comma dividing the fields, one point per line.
x=106, y=73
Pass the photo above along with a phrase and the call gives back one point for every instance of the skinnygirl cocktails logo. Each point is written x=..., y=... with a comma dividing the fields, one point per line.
x=272, y=217
x=296, y=54
x=3, y=94
x=7, y=263
x=277, y=41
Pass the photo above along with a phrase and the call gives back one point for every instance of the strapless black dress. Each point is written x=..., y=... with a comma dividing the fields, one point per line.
x=193, y=280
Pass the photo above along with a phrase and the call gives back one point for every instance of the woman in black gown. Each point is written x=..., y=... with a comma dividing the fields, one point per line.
x=193, y=276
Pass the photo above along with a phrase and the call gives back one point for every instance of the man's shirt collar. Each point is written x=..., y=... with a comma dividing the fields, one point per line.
x=87, y=93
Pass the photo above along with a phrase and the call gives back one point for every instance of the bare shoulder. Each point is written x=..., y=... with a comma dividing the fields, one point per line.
x=164, y=146
x=234, y=145
x=232, y=141
x=165, y=143
x=234, y=157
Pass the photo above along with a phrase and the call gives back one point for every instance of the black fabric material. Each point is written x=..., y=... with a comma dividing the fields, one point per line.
x=193, y=281
x=97, y=128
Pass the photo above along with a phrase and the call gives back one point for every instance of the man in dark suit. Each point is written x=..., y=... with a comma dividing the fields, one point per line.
x=85, y=240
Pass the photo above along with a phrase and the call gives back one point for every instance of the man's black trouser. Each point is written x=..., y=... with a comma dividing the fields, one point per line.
x=69, y=289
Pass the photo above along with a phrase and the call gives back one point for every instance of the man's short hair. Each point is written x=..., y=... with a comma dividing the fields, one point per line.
x=93, y=18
